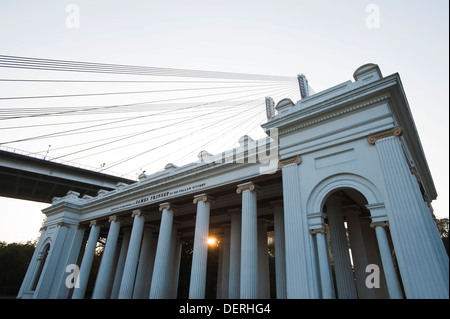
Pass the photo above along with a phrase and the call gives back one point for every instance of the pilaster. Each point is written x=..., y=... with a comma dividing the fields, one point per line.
x=300, y=261
x=420, y=265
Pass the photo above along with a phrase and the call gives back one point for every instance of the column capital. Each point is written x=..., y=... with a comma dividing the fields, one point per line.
x=247, y=186
x=378, y=212
x=396, y=131
x=63, y=224
x=114, y=219
x=137, y=212
x=381, y=224
x=167, y=206
x=317, y=231
x=203, y=198
x=316, y=220
x=94, y=223
x=291, y=160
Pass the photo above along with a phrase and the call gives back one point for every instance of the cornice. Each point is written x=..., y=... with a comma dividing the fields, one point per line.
x=329, y=112
x=168, y=182
x=320, y=111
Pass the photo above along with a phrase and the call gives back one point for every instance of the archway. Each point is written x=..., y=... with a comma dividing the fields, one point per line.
x=42, y=257
x=353, y=247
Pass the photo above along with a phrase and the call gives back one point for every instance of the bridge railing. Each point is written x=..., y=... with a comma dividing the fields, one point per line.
x=62, y=162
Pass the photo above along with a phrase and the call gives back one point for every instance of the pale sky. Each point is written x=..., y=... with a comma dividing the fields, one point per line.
x=325, y=40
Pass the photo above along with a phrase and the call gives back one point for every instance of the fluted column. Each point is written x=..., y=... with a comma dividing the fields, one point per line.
x=86, y=263
x=326, y=280
x=373, y=255
x=224, y=262
x=280, y=258
x=129, y=271
x=105, y=271
x=263, y=261
x=316, y=223
x=200, y=252
x=235, y=255
x=121, y=263
x=392, y=281
x=359, y=254
x=249, y=242
x=160, y=276
x=420, y=265
x=175, y=262
x=342, y=265
x=145, y=266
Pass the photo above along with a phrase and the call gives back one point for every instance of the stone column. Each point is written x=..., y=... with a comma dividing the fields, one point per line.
x=175, y=268
x=316, y=223
x=86, y=263
x=342, y=265
x=326, y=280
x=219, y=269
x=145, y=266
x=420, y=265
x=359, y=254
x=235, y=255
x=263, y=261
x=373, y=255
x=249, y=242
x=225, y=261
x=392, y=281
x=200, y=251
x=160, y=276
x=101, y=290
x=280, y=258
x=121, y=263
x=129, y=271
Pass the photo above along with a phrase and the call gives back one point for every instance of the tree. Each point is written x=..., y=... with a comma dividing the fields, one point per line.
x=14, y=260
x=443, y=225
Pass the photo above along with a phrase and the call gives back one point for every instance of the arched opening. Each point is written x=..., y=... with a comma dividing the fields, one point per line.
x=353, y=249
x=42, y=257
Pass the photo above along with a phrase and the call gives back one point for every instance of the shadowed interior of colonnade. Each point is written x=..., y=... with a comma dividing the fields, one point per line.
x=226, y=204
x=354, y=254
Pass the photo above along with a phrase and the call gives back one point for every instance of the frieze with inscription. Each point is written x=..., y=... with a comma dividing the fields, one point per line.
x=151, y=198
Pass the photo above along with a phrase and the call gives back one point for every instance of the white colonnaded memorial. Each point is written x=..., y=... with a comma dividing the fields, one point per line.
x=341, y=180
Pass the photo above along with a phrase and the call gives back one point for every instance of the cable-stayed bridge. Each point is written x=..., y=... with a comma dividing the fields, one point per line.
x=131, y=119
